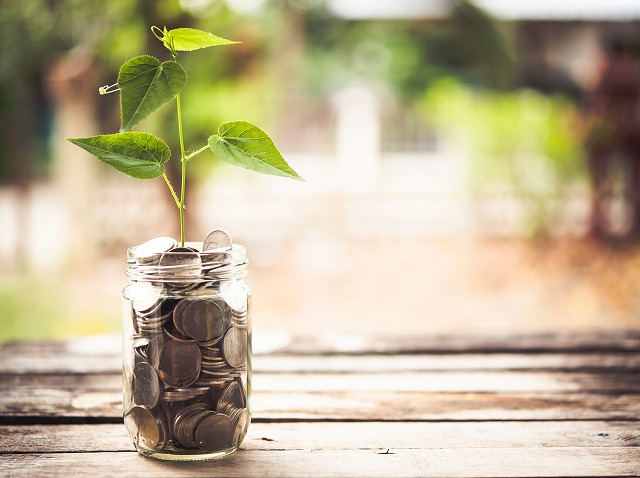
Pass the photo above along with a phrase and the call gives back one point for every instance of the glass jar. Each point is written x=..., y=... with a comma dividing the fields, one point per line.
x=187, y=351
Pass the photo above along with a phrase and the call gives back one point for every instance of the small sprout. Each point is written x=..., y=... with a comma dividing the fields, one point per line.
x=142, y=155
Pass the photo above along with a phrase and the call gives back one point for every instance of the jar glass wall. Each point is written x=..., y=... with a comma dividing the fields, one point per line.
x=186, y=351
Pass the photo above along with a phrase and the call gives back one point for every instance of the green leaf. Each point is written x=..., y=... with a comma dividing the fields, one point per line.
x=140, y=155
x=247, y=146
x=145, y=85
x=189, y=39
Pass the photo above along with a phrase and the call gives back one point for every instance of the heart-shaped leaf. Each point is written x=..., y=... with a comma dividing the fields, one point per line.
x=247, y=146
x=140, y=155
x=189, y=39
x=145, y=85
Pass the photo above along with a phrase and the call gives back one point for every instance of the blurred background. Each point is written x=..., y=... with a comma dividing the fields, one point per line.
x=471, y=167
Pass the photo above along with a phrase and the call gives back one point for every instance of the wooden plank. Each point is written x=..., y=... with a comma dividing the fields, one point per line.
x=58, y=363
x=63, y=438
x=443, y=406
x=446, y=381
x=63, y=405
x=564, y=342
x=466, y=381
x=343, y=436
x=615, y=361
x=64, y=363
x=61, y=381
x=407, y=462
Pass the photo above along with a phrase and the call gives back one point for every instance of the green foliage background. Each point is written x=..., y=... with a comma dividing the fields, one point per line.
x=463, y=74
x=521, y=144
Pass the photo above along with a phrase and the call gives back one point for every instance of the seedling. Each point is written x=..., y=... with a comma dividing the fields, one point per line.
x=145, y=84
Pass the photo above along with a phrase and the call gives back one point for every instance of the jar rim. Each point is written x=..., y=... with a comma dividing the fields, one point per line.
x=190, y=264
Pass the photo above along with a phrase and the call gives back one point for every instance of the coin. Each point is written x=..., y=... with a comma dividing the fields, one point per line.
x=210, y=345
x=184, y=426
x=210, y=382
x=240, y=426
x=205, y=319
x=147, y=297
x=217, y=239
x=184, y=249
x=215, y=258
x=139, y=355
x=145, y=428
x=177, y=314
x=172, y=332
x=147, y=251
x=234, y=347
x=214, y=432
x=146, y=386
x=179, y=364
x=237, y=303
x=190, y=345
x=153, y=321
x=180, y=262
x=182, y=394
x=154, y=349
x=232, y=397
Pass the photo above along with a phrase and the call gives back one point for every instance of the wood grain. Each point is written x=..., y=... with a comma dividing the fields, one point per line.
x=579, y=342
x=284, y=397
x=405, y=462
x=343, y=436
x=51, y=362
x=55, y=406
x=566, y=405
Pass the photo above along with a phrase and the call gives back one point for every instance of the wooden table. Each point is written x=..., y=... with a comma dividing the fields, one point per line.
x=565, y=405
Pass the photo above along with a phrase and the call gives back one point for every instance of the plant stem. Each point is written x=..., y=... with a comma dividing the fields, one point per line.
x=183, y=164
x=196, y=153
x=173, y=192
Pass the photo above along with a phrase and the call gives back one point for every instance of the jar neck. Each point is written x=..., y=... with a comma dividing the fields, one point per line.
x=188, y=266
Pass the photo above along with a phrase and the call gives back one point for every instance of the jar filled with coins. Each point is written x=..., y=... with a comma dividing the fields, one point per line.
x=187, y=348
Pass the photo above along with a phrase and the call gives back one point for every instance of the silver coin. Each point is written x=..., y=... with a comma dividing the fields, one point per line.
x=184, y=424
x=232, y=397
x=179, y=363
x=165, y=309
x=145, y=427
x=147, y=298
x=154, y=320
x=214, y=432
x=146, y=385
x=213, y=364
x=183, y=394
x=205, y=319
x=234, y=347
x=240, y=426
x=215, y=259
x=211, y=382
x=180, y=262
x=217, y=239
x=147, y=251
x=237, y=303
x=236, y=414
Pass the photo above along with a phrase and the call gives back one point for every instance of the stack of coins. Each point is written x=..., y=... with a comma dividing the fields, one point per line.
x=186, y=390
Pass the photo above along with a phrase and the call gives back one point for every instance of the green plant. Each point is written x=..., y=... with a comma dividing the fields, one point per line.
x=145, y=84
